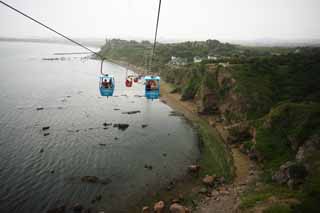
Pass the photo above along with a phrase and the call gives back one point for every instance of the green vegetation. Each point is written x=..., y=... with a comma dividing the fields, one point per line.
x=275, y=90
x=266, y=81
x=278, y=208
x=215, y=158
x=258, y=195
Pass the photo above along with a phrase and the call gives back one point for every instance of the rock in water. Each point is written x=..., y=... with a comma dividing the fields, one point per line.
x=77, y=208
x=121, y=126
x=148, y=166
x=61, y=209
x=159, y=207
x=176, y=113
x=132, y=112
x=107, y=124
x=105, y=181
x=45, y=128
x=90, y=179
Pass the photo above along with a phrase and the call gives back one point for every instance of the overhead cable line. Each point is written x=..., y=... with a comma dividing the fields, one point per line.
x=51, y=29
x=155, y=36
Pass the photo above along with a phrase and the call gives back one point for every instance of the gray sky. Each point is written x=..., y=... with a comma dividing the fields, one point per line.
x=180, y=19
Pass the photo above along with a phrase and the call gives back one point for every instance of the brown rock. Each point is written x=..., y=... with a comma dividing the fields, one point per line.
x=223, y=191
x=61, y=209
x=208, y=180
x=194, y=168
x=177, y=208
x=90, y=179
x=175, y=201
x=159, y=207
x=77, y=207
x=243, y=149
x=145, y=209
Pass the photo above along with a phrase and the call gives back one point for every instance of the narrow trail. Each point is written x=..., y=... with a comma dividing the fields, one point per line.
x=227, y=198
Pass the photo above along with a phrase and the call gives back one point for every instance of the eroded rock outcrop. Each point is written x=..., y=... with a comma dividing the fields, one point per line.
x=290, y=173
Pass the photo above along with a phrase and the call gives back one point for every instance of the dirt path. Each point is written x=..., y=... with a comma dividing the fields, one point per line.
x=226, y=198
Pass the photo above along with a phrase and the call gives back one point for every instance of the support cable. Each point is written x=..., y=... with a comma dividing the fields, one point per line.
x=155, y=37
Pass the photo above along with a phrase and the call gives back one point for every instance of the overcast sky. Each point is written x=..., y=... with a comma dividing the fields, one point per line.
x=180, y=19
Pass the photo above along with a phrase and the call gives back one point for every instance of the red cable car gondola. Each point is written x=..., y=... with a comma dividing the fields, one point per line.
x=128, y=82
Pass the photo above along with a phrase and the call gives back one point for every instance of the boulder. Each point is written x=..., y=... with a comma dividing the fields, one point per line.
x=45, y=128
x=105, y=181
x=61, y=209
x=131, y=112
x=175, y=200
x=159, y=207
x=290, y=173
x=282, y=175
x=146, y=166
x=203, y=190
x=90, y=179
x=77, y=208
x=145, y=209
x=177, y=208
x=208, y=180
x=121, y=126
x=107, y=124
x=307, y=150
x=224, y=191
x=194, y=168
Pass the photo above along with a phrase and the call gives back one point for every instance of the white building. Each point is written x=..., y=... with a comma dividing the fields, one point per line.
x=197, y=59
x=212, y=57
x=178, y=61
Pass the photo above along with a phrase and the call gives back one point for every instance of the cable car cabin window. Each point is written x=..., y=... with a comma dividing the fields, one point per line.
x=106, y=83
x=152, y=85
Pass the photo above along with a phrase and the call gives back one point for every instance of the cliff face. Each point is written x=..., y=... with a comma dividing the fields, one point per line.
x=271, y=107
x=212, y=87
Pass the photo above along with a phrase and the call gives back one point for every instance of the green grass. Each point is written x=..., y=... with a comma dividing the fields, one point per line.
x=278, y=208
x=215, y=158
x=286, y=125
x=255, y=196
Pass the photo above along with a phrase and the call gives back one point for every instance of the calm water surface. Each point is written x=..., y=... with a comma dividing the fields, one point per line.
x=32, y=181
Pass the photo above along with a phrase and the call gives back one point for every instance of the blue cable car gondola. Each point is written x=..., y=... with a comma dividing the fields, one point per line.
x=106, y=83
x=152, y=87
